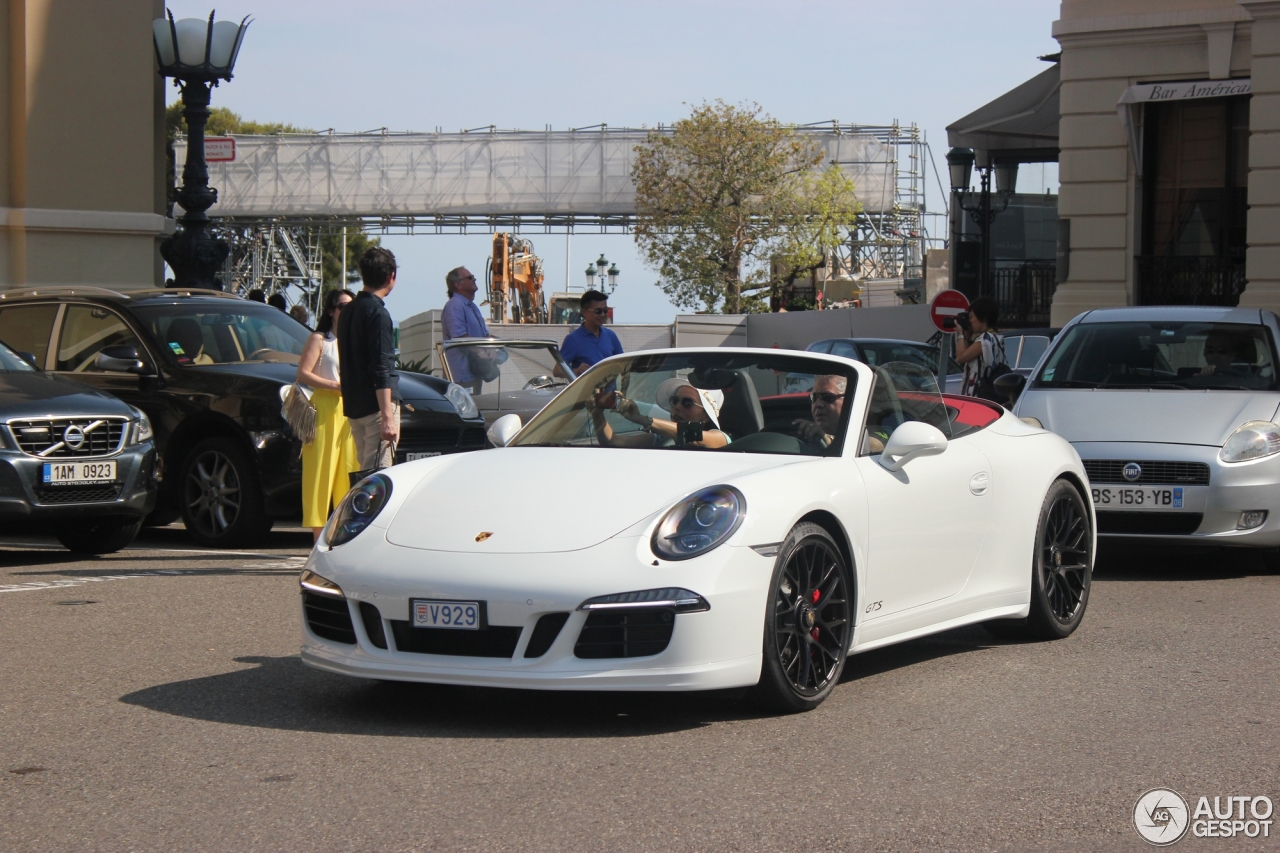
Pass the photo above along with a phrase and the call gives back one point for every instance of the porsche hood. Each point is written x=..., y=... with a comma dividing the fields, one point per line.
x=542, y=499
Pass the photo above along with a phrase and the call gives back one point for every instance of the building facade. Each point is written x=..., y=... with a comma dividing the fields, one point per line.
x=1169, y=160
x=82, y=147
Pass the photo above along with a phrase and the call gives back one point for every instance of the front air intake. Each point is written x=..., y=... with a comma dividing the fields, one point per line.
x=627, y=633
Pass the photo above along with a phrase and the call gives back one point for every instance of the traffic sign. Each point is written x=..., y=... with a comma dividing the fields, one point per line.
x=945, y=306
x=219, y=149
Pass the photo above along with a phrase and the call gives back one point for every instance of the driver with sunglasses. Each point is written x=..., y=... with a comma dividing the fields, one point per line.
x=826, y=403
x=688, y=406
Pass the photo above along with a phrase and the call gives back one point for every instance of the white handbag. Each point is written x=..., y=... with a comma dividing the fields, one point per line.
x=299, y=412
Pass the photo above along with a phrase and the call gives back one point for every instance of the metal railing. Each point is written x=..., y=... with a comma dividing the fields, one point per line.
x=1024, y=293
x=1170, y=280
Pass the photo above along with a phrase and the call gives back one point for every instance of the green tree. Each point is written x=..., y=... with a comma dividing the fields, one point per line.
x=729, y=190
x=331, y=247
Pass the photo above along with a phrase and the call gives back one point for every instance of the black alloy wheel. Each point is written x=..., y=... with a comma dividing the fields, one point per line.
x=1062, y=569
x=221, y=499
x=808, y=622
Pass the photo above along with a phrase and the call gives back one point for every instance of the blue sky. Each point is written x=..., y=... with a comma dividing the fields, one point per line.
x=570, y=63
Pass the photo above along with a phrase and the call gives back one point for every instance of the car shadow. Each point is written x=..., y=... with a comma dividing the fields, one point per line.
x=283, y=693
x=1141, y=561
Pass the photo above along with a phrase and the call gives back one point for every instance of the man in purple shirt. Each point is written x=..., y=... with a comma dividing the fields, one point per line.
x=461, y=318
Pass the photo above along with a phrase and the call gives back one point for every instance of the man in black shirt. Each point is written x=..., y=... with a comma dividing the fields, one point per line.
x=367, y=359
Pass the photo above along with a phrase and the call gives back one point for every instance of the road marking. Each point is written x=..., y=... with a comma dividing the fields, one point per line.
x=31, y=586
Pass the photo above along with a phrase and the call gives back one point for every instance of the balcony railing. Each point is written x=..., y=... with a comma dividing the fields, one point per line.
x=1024, y=293
x=1168, y=280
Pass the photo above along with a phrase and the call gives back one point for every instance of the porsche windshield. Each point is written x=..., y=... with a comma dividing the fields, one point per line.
x=225, y=331
x=1174, y=355
x=701, y=401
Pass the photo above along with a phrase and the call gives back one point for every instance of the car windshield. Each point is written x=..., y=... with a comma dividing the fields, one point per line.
x=225, y=332
x=701, y=401
x=492, y=367
x=10, y=361
x=1174, y=355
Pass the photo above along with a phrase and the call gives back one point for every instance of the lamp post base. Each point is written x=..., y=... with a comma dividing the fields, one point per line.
x=195, y=256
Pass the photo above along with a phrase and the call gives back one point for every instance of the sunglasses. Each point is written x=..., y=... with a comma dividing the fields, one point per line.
x=826, y=397
x=599, y=312
x=341, y=305
x=683, y=402
x=467, y=278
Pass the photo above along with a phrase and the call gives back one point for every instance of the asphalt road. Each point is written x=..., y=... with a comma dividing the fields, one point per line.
x=154, y=700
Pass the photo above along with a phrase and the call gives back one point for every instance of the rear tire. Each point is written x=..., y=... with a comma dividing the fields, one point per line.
x=1061, y=570
x=807, y=624
x=99, y=535
x=221, y=498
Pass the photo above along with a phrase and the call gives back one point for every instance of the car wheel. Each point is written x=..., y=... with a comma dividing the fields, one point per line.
x=221, y=499
x=99, y=536
x=808, y=622
x=1061, y=570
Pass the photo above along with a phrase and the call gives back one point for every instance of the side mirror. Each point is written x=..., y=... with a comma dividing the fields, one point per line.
x=1009, y=386
x=121, y=359
x=29, y=358
x=504, y=429
x=912, y=439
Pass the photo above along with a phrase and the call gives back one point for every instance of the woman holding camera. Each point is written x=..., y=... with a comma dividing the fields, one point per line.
x=979, y=348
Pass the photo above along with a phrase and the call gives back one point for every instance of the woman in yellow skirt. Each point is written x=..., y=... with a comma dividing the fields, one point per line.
x=331, y=456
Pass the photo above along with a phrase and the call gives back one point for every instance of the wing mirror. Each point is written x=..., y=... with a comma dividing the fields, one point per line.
x=1009, y=386
x=120, y=359
x=29, y=358
x=504, y=429
x=912, y=439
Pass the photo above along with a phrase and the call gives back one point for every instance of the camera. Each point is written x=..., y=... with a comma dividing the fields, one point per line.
x=961, y=320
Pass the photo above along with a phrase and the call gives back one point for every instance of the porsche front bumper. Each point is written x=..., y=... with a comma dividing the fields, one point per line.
x=713, y=649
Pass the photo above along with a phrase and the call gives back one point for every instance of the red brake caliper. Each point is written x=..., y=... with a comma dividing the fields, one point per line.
x=816, y=595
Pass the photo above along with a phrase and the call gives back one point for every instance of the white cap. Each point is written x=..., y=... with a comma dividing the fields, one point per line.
x=711, y=400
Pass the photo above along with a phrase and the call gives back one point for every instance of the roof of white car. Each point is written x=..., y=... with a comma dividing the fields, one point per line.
x=1156, y=313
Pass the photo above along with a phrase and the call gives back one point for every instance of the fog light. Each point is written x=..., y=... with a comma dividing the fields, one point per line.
x=1251, y=518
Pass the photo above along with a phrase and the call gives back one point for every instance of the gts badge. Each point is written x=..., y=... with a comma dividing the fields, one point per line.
x=874, y=606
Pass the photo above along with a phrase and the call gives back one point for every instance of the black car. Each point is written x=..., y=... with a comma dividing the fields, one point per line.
x=209, y=368
x=79, y=461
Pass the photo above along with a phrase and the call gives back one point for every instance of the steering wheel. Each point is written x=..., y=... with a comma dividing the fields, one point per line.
x=251, y=356
x=536, y=382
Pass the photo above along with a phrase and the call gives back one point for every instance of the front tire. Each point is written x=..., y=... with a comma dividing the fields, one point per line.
x=98, y=535
x=221, y=498
x=808, y=622
x=1061, y=570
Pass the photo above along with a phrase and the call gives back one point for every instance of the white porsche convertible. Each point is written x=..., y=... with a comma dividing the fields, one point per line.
x=695, y=520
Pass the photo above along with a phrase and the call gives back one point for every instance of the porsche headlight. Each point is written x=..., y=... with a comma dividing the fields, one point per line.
x=358, y=508
x=462, y=401
x=699, y=523
x=141, y=429
x=1253, y=440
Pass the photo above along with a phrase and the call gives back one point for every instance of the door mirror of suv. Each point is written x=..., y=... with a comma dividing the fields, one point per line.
x=912, y=439
x=29, y=358
x=121, y=359
x=1009, y=386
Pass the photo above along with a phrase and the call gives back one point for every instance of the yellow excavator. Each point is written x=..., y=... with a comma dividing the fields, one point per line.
x=513, y=282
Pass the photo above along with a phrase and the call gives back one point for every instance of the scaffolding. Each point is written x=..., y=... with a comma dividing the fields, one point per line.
x=284, y=192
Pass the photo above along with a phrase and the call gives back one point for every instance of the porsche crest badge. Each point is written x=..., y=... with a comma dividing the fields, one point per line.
x=483, y=535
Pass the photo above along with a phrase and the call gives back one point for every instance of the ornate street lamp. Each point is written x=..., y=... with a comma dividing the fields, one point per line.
x=960, y=163
x=602, y=276
x=196, y=54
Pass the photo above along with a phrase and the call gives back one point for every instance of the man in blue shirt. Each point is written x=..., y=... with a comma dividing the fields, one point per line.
x=592, y=341
x=461, y=318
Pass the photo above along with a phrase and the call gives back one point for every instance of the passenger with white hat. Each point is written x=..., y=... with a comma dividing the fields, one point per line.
x=695, y=416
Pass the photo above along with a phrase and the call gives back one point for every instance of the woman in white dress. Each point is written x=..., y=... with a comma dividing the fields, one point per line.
x=331, y=455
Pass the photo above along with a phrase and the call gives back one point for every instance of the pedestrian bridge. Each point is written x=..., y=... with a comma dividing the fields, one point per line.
x=555, y=180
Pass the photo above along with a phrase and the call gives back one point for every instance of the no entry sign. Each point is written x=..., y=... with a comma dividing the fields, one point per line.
x=945, y=306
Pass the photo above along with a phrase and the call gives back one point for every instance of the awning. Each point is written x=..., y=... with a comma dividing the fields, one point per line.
x=1021, y=125
x=1130, y=104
